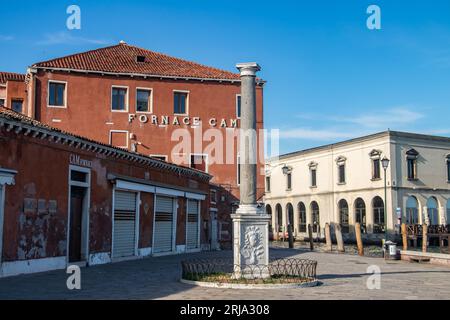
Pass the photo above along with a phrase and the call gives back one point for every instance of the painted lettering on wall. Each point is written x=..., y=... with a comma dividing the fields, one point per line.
x=77, y=161
x=179, y=121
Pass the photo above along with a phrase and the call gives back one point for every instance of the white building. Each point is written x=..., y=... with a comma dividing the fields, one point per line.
x=344, y=183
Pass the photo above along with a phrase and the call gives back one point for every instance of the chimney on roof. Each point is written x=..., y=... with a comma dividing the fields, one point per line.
x=140, y=58
x=122, y=42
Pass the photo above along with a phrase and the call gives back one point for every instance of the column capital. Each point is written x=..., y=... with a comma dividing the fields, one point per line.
x=248, y=68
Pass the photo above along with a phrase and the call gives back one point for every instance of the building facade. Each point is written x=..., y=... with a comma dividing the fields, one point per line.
x=66, y=199
x=344, y=183
x=13, y=91
x=147, y=102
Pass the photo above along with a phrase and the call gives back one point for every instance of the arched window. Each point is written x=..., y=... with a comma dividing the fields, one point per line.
x=302, y=217
x=433, y=214
x=343, y=216
x=360, y=214
x=448, y=212
x=269, y=213
x=290, y=214
x=279, y=213
x=412, y=211
x=378, y=215
x=315, y=214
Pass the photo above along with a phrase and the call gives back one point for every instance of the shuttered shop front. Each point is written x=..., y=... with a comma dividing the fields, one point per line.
x=124, y=224
x=164, y=225
x=192, y=225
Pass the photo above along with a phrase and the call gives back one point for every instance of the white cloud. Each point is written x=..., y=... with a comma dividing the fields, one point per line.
x=6, y=38
x=65, y=37
x=384, y=119
x=318, y=134
x=336, y=128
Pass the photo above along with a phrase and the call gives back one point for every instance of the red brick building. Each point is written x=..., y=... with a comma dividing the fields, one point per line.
x=13, y=92
x=66, y=199
x=137, y=99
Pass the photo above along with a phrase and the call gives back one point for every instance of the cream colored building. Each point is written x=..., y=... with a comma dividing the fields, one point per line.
x=344, y=183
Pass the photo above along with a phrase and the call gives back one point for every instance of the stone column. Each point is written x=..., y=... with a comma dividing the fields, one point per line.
x=250, y=223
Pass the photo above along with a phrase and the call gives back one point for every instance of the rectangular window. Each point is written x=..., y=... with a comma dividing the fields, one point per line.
x=199, y=162
x=238, y=169
x=57, y=94
x=448, y=173
x=289, y=181
x=412, y=169
x=376, y=172
x=267, y=184
x=17, y=105
x=213, y=196
x=342, y=173
x=143, y=100
x=159, y=157
x=78, y=176
x=238, y=106
x=119, y=139
x=119, y=99
x=314, y=178
x=180, y=103
x=2, y=102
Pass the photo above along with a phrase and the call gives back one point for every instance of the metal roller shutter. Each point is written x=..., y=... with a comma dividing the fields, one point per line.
x=163, y=234
x=192, y=225
x=124, y=224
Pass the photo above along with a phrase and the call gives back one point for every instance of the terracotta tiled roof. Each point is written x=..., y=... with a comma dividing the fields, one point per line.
x=9, y=76
x=121, y=59
x=9, y=114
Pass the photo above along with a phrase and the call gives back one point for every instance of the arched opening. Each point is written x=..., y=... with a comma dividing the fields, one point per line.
x=448, y=212
x=378, y=215
x=315, y=215
x=433, y=213
x=279, y=221
x=302, y=217
x=412, y=210
x=290, y=214
x=269, y=213
x=343, y=216
x=360, y=214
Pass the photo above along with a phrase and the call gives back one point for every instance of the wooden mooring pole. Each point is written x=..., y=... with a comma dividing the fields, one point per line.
x=311, y=239
x=425, y=238
x=359, y=241
x=340, y=240
x=329, y=246
x=405, y=237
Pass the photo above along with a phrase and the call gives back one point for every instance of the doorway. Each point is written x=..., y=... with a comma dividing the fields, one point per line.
x=77, y=195
x=214, y=231
x=78, y=224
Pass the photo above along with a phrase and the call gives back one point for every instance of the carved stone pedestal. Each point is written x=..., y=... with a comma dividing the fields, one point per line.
x=251, y=242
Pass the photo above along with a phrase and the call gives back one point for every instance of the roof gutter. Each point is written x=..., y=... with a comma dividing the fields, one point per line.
x=145, y=76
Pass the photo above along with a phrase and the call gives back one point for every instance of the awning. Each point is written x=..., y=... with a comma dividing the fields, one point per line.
x=7, y=176
x=140, y=185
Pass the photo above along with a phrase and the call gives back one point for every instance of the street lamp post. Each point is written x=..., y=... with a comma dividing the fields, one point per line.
x=385, y=163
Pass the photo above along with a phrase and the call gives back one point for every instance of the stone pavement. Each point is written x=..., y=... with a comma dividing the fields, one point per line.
x=343, y=277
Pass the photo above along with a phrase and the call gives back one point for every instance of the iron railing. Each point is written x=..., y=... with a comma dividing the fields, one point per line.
x=279, y=271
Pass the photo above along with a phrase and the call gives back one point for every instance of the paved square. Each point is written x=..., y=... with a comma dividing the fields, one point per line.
x=343, y=277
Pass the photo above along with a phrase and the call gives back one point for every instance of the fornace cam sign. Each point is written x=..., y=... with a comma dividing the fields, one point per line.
x=178, y=121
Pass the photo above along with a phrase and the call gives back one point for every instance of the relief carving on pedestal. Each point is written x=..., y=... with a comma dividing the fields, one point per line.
x=253, y=250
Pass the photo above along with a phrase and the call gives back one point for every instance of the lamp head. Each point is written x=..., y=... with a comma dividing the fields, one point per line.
x=385, y=163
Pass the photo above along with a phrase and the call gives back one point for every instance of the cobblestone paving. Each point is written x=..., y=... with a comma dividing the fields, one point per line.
x=343, y=277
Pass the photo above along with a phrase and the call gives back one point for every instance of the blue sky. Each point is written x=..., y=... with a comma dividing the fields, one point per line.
x=329, y=77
